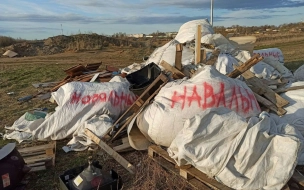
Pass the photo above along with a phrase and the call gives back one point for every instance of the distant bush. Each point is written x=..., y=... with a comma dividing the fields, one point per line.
x=6, y=41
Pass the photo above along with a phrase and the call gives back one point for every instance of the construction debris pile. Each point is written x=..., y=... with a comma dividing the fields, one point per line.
x=234, y=114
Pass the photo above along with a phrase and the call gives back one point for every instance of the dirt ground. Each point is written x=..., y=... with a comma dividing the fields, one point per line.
x=18, y=74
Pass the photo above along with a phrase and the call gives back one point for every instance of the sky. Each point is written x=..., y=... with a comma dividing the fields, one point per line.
x=40, y=19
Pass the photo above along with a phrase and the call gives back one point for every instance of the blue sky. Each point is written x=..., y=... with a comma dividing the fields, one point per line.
x=41, y=19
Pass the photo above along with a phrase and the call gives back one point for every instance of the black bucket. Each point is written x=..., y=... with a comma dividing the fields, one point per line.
x=142, y=78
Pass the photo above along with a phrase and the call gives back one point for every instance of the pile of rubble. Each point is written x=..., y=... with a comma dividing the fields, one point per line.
x=220, y=111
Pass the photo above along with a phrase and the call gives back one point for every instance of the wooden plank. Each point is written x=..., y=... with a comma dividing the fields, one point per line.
x=36, y=164
x=270, y=105
x=128, y=166
x=39, y=158
x=37, y=148
x=153, y=149
x=213, y=57
x=281, y=90
x=175, y=73
x=38, y=168
x=178, y=56
x=262, y=89
x=245, y=66
x=298, y=177
x=203, y=56
x=198, y=37
x=32, y=154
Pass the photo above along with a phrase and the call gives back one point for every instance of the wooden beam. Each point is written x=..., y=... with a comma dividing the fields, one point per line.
x=176, y=74
x=198, y=37
x=281, y=90
x=178, y=56
x=203, y=56
x=270, y=105
x=262, y=89
x=245, y=66
x=127, y=165
x=213, y=57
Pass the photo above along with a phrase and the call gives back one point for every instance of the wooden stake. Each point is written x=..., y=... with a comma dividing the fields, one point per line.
x=110, y=151
x=178, y=56
x=198, y=37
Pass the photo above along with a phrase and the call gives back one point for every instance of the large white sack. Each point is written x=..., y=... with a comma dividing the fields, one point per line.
x=225, y=63
x=265, y=158
x=295, y=108
x=80, y=101
x=218, y=41
x=167, y=53
x=273, y=53
x=98, y=125
x=299, y=73
x=208, y=140
x=261, y=69
x=187, y=31
x=221, y=144
x=182, y=99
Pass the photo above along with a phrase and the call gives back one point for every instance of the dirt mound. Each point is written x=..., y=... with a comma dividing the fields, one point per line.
x=60, y=44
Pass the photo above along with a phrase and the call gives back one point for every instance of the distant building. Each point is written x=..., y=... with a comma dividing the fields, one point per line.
x=230, y=30
x=171, y=34
x=136, y=35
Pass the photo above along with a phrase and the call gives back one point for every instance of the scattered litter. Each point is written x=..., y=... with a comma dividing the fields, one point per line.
x=10, y=93
x=10, y=53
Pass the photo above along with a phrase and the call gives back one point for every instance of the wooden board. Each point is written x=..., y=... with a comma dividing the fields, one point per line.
x=245, y=66
x=178, y=56
x=122, y=161
x=189, y=173
x=270, y=105
x=198, y=37
x=260, y=88
x=176, y=74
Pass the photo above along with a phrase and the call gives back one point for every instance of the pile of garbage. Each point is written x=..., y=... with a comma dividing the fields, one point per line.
x=242, y=125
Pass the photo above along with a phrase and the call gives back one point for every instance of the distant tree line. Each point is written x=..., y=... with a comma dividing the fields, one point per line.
x=259, y=29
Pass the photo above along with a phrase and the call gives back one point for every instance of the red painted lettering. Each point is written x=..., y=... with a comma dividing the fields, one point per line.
x=208, y=94
x=195, y=97
x=176, y=98
x=86, y=99
x=75, y=98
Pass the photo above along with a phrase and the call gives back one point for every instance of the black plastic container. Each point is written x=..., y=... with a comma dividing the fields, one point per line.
x=142, y=78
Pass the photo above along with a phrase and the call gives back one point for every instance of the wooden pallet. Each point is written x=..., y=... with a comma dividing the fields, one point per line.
x=39, y=157
x=143, y=100
x=194, y=177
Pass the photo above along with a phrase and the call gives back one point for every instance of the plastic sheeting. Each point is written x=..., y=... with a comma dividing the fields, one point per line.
x=182, y=99
x=259, y=155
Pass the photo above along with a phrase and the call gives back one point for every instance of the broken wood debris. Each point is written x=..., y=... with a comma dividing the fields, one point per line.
x=213, y=57
x=246, y=66
x=143, y=100
x=176, y=74
x=85, y=74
